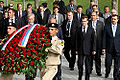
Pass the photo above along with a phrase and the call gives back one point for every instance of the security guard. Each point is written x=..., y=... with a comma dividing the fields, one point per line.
x=54, y=52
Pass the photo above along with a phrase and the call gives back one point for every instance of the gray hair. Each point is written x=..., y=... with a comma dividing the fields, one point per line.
x=30, y=15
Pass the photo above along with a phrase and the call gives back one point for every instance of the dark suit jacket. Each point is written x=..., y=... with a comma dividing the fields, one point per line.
x=45, y=19
x=23, y=13
x=109, y=41
x=74, y=27
x=99, y=33
x=76, y=16
x=87, y=44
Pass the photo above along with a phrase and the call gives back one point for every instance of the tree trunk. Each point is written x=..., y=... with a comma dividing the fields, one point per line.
x=115, y=5
x=23, y=4
x=36, y=4
x=6, y=2
x=96, y=1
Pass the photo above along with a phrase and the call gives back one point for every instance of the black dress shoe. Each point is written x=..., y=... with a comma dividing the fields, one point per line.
x=99, y=74
x=106, y=75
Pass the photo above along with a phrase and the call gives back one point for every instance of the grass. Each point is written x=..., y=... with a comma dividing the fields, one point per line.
x=84, y=3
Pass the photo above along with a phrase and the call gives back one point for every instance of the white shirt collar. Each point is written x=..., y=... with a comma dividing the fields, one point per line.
x=53, y=38
x=45, y=9
x=86, y=27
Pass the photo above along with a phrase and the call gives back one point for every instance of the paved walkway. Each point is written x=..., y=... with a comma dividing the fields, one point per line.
x=71, y=75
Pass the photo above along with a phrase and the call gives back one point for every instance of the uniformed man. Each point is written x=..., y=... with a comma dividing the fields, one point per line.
x=54, y=52
x=10, y=29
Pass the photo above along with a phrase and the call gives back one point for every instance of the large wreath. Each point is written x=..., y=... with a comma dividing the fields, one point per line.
x=16, y=59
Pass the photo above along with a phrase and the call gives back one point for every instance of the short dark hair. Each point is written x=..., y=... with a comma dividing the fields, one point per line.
x=29, y=4
x=44, y=4
x=19, y=4
x=79, y=6
x=115, y=15
x=56, y=2
x=105, y=7
x=2, y=2
x=84, y=16
x=11, y=9
x=94, y=5
x=71, y=0
x=55, y=8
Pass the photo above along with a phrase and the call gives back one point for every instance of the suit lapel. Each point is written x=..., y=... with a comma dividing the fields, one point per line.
x=117, y=30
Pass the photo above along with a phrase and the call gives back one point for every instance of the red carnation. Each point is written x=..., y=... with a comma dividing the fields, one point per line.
x=38, y=42
x=18, y=60
x=36, y=53
x=12, y=65
x=32, y=63
x=34, y=41
x=26, y=60
x=23, y=49
x=24, y=53
x=3, y=58
x=31, y=57
x=29, y=54
x=9, y=70
x=42, y=45
x=28, y=50
x=39, y=49
x=25, y=66
x=13, y=70
x=6, y=61
x=37, y=58
x=33, y=49
x=5, y=69
x=12, y=61
x=21, y=63
x=32, y=45
x=13, y=57
x=10, y=54
x=41, y=39
x=40, y=54
x=17, y=55
x=44, y=40
x=14, y=52
x=2, y=63
x=18, y=68
x=36, y=47
x=45, y=37
x=18, y=50
x=28, y=46
x=23, y=57
x=48, y=40
x=8, y=65
x=38, y=35
x=47, y=44
x=7, y=56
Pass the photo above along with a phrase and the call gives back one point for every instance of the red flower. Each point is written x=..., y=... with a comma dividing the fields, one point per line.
x=21, y=63
x=33, y=49
x=13, y=70
x=29, y=54
x=23, y=49
x=40, y=54
x=9, y=70
x=17, y=55
x=31, y=57
x=18, y=60
x=10, y=54
x=13, y=57
x=5, y=69
x=36, y=52
x=34, y=41
x=32, y=45
x=39, y=49
x=3, y=58
x=38, y=42
x=18, y=68
x=23, y=57
x=47, y=44
x=44, y=40
x=41, y=39
x=18, y=50
x=2, y=63
x=32, y=63
x=7, y=56
x=37, y=58
x=26, y=60
x=12, y=65
x=12, y=61
x=42, y=35
x=36, y=47
x=28, y=46
x=42, y=45
x=28, y=50
x=45, y=37
x=48, y=40
x=25, y=66
x=8, y=65
x=38, y=35
x=6, y=61
x=24, y=53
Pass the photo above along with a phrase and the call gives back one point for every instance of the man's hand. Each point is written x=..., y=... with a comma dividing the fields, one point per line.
x=94, y=52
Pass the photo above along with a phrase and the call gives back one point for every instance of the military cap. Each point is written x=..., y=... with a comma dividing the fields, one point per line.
x=53, y=25
x=12, y=24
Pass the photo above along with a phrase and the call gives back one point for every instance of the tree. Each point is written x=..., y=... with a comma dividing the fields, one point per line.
x=36, y=4
x=115, y=4
x=23, y=4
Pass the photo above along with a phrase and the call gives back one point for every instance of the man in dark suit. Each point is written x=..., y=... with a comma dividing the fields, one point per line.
x=86, y=46
x=79, y=13
x=71, y=6
x=19, y=13
x=69, y=28
x=111, y=46
x=98, y=28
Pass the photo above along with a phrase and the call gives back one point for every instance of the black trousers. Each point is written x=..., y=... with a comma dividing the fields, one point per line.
x=108, y=64
x=87, y=60
x=97, y=58
x=71, y=59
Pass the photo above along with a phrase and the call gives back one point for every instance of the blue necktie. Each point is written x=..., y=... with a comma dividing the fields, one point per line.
x=114, y=30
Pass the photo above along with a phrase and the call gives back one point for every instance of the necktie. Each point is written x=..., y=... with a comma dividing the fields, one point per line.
x=68, y=28
x=72, y=7
x=114, y=30
x=79, y=17
x=83, y=31
x=19, y=15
